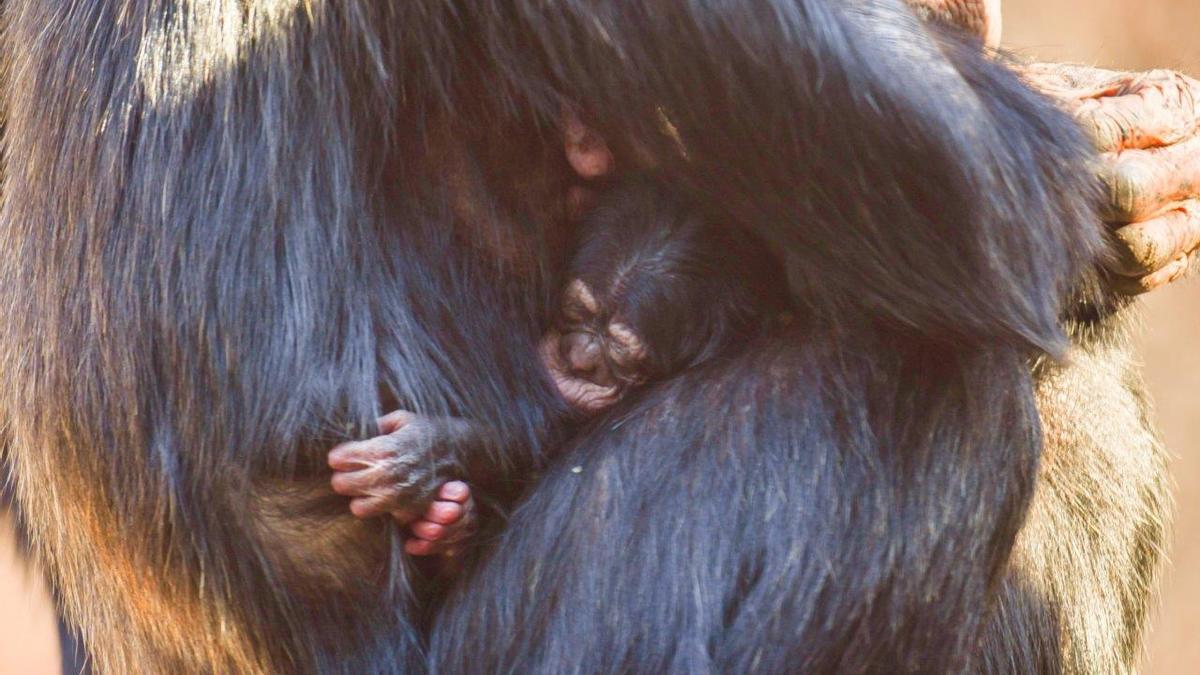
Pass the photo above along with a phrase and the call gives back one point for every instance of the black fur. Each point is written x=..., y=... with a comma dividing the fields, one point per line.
x=235, y=230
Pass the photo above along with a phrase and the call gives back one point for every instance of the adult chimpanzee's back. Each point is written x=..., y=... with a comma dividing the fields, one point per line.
x=236, y=230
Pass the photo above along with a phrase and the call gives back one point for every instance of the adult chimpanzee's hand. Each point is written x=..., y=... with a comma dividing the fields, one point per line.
x=1147, y=127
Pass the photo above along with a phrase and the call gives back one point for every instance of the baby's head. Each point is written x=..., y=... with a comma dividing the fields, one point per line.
x=652, y=290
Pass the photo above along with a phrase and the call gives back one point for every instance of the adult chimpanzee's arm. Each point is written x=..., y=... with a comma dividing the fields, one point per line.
x=1085, y=564
x=1076, y=594
x=1077, y=591
x=820, y=76
x=762, y=607
x=1147, y=125
x=845, y=496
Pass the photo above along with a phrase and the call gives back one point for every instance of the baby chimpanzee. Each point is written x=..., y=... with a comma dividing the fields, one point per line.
x=654, y=289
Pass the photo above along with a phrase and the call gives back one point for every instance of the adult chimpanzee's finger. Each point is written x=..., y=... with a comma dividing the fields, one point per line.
x=1147, y=247
x=392, y=421
x=1070, y=83
x=1175, y=269
x=368, y=507
x=1142, y=110
x=1143, y=184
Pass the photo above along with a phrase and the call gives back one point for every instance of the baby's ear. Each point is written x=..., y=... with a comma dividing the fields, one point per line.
x=587, y=152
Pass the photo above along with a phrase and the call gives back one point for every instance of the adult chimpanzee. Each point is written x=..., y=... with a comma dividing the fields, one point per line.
x=238, y=230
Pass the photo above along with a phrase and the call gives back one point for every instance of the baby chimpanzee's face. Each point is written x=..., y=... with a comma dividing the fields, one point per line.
x=595, y=353
x=654, y=290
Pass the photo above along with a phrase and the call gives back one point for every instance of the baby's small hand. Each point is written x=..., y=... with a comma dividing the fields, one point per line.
x=448, y=521
x=398, y=472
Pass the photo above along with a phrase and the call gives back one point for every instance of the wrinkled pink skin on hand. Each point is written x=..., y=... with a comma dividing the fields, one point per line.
x=1147, y=129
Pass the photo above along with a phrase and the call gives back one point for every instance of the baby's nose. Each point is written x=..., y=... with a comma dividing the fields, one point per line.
x=581, y=353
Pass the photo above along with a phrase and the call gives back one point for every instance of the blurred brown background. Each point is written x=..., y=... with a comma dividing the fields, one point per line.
x=1123, y=34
